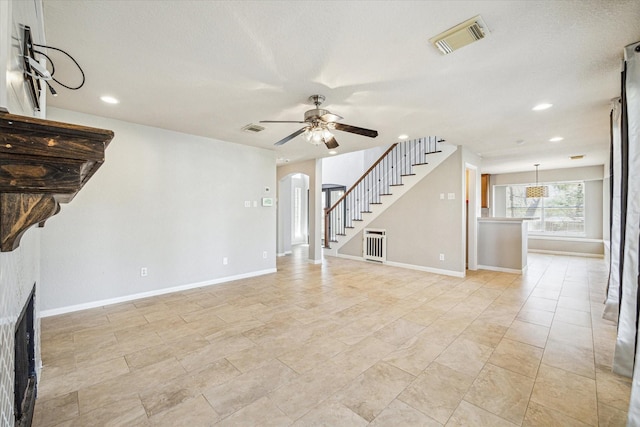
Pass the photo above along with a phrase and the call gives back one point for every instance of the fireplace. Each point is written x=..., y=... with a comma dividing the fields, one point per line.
x=25, y=380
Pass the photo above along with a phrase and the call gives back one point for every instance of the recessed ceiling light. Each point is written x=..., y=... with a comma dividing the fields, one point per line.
x=556, y=139
x=332, y=152
x=541, y=107
x=109, y=99
x=403, y=136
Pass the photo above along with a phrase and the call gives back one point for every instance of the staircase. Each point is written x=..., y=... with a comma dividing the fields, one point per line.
x=402, y=166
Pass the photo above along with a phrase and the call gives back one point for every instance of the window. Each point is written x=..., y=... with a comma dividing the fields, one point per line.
x=560, y=214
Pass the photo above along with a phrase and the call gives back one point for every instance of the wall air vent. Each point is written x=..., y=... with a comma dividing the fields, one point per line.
x=253, y=128
x=578, y=157
x=461, y=35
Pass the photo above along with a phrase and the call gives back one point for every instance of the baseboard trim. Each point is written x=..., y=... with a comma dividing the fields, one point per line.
x=503, y=269
x=133, y=297
x=427, y=269
x=581, y=254
x=407, y=266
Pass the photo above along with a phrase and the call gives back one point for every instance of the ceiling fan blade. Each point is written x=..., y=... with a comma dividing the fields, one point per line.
x=290, y=137
x=330, y=117
x=331, y=143
x=354, y=129
x=281, y=121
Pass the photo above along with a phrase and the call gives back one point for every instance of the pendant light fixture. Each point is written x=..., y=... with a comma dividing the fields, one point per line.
x=537, y=191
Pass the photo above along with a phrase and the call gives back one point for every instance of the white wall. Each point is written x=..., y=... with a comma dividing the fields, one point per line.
x=345, y=169
x=167, y=201
x=420, y=226
x=19, y=269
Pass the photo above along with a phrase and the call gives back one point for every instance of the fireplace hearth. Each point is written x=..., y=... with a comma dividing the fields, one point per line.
x=25, y=380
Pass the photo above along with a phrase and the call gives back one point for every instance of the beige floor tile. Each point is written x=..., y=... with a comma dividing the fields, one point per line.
x=437, y=392
x=399, y=332
x=570, y=357
x=573, y=303
x=470, y=415
x=574, y=317
x=187, y=386
x=501, y=392
x=613, y=390
x=129, y=412
x=331, y=413
x=576, y=335
x=571, y=394
x=544, y=304
x=465, y=356
x=51, y=412
x=372, y=391
x=214, y=351
x=611, y=417
x=312, y=344
x=313, y=353
x=192, y=412
x=540, y=416
x=528, y=333
x=539, y=317
x=488, y=334
x=517, y=357
x=416, y=354
x=249, y=387
x=399, y=414
x=148, y=356
x=361, y=356
x=306, y=391
x=80, y=378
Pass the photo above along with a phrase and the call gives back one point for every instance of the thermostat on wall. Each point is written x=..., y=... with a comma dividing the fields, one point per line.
x=267, y=201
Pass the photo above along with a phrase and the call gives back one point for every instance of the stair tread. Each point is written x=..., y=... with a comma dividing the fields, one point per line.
x=395, y=185
x=420, y=164
x=408, y=174
x=386, y=194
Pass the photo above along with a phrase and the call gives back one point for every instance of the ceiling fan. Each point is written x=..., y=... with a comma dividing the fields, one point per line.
x=319, y=124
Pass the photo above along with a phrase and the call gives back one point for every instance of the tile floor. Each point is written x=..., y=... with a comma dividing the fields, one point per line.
x=344, y=344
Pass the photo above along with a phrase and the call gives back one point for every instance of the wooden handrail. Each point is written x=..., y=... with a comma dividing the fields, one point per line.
x=364, y=175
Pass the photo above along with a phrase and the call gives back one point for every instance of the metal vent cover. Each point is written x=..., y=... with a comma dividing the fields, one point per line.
x=252, y=127
x=469, y=31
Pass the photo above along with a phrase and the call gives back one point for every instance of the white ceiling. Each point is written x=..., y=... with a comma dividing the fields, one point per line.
x=211, y=67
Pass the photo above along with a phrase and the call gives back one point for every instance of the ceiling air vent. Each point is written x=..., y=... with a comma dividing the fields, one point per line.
x=253, y=128
x=461, y=35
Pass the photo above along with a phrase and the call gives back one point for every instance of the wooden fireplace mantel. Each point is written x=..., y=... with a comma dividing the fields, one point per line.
x=42, y=164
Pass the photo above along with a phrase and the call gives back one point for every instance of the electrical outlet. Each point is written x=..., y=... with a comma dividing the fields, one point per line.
x=264, y=254
x=255, y=203
x=452, y=196
x=441, y=196
x=247, y=204
x=143, y=272
x=441, y=257
x=225, y=260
